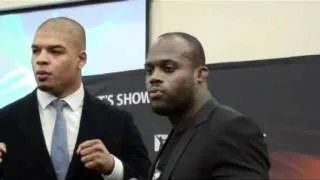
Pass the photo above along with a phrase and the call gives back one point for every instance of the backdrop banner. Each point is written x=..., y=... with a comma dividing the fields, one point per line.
x=281, y=95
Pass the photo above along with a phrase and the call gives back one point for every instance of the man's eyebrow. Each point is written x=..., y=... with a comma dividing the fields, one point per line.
x=167, y=61
x=160, y=62
x=51, y=46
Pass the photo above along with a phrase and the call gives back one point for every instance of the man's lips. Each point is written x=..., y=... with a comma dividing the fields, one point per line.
x=42, y=75
x=155, y=93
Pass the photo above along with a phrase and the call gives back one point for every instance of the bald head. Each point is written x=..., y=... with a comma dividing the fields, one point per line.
x=67, y=27
x=189, y=46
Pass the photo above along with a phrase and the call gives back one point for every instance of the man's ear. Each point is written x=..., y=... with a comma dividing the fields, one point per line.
x=82, y=59
x=202, y=73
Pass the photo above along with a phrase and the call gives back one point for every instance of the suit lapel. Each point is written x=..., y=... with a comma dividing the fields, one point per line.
x=30, y=126
x=88, y=130
x=203, y=115
x=177, y=153
x=206, y=111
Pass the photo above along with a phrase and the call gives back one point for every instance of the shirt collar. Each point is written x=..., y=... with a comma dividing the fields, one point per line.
x=74, y=100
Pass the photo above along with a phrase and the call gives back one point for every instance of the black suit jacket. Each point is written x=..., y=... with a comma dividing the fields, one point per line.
x=28, y=159
x=222, y=145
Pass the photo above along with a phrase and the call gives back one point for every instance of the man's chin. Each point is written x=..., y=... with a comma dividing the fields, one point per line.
x=45, y=88
x=162, y=110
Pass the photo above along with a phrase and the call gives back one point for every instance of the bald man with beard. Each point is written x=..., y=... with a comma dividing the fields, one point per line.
x=59, y=131
x=208, y=140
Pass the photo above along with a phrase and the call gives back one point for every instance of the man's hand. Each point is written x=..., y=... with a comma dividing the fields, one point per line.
x=96, y=156
x=3, y=150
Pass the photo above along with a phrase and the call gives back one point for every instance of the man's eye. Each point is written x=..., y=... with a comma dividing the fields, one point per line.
x=56, y=52
x=35, y=51
x=169, y=68
x=148, y=70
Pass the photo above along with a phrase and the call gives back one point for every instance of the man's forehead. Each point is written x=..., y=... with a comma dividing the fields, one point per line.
x=172, y=46
x=51, y=35
x=62, y=32
x=48, y=39
x=169, y=49
x=57, y=31
x=58, y=26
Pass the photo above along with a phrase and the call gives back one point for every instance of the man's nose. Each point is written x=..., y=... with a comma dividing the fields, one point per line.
x=42, y=58
x=155, y=77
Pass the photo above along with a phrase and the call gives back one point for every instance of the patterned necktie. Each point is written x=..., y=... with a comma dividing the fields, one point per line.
x=59, y=145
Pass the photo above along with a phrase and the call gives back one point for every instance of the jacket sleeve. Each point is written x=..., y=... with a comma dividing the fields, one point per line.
x=243, y=150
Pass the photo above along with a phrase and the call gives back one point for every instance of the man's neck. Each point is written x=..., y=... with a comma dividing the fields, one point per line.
x=67, y=92
x=187, y=118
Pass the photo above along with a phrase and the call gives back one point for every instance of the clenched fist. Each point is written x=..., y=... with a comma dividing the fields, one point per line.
x=96, y=156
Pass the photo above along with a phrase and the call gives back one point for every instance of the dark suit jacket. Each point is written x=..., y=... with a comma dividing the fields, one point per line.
x=222, y=145
x=28, y=159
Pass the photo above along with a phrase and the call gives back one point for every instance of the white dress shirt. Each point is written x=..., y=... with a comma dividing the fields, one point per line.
x=72, y=114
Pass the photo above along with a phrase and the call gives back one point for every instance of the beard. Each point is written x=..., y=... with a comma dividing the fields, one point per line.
x=175, y=104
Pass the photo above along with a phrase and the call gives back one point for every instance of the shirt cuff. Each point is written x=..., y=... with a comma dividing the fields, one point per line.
x=117, y=173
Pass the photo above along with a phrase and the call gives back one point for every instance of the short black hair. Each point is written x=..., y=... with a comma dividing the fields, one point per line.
x=197, y=49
